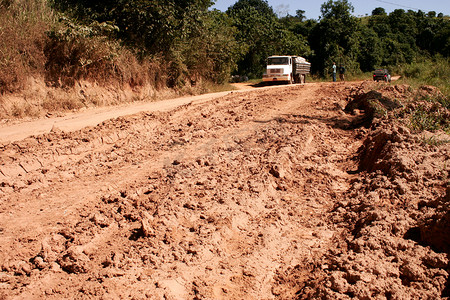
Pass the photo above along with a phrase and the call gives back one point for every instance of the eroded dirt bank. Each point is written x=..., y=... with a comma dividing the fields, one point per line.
x=282, y=193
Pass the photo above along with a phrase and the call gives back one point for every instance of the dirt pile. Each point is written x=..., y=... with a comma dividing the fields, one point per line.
x=397, y=217
x=259, y=195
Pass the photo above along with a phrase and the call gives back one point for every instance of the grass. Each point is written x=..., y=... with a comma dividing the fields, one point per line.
x=317, y=78
x=431, y=120
x=67, y=102
x=255, y=81
x=359, y=76
x=37, y=41
x=433, y=141
x=210, y=87
x=432, y=71
x=432, y=105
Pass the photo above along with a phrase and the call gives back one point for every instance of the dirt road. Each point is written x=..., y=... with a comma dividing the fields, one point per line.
x=252, y=195
x=94, y=116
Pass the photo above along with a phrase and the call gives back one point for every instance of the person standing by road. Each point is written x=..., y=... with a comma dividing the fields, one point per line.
x=341, y=73
x=334, y=72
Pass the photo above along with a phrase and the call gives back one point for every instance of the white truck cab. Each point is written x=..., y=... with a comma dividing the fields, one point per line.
x=286, y=68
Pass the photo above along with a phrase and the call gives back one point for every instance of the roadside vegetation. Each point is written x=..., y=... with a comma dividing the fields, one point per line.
x=429, y=71
x=188, y=48
x=22, y=39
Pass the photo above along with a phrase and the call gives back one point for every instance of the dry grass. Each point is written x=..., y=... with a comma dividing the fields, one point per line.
x=48, y=63
x=22, y=39
x=34, y=43
x=77, y=52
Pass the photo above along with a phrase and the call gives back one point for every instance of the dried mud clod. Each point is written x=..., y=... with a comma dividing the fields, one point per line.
x=373, y=104
x=378, y=151
x=261, y=206
x=74, y=261
x=396, y=213
x=434, y=229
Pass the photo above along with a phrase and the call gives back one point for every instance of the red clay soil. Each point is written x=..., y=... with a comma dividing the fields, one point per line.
x=284, y=193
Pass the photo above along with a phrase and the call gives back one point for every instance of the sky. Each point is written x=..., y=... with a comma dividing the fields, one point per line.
x=362, y=7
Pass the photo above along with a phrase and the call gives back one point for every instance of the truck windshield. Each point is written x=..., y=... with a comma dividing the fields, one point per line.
x=278, y=61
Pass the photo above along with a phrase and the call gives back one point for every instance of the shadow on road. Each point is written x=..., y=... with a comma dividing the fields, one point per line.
x=344, y=123
x=268, y=83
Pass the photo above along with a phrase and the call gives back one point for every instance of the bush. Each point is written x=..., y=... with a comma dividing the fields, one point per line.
x=35, y=41
x=427, y=71
x=22, y=39
x=78, y=52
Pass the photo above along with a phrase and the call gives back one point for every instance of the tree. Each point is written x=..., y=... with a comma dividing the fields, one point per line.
x=403, y=22
x=261, y=34
x=335, y=38
x=213, y=54
x=260, y=6
x=300, y=14
x=371, y=51
x=336, y=9
x=152, y=26
x=379, y=11
x=441, y=39
x=194, y=42
x=299, y=25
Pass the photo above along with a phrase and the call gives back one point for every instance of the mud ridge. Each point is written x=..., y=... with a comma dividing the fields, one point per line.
x=259, y=195
x=396, y=215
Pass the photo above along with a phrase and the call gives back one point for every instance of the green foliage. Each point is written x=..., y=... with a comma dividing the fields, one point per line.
x=371, y=50
x=77, y=52
x=426, y=71
x=340, y=9
x=37, y=42
x=380, y=40
x=334, y=37
x=433, y=141
x=298, y=25
x=195, y=43
x=429, y=119
x=379, y=11
x=432, y=111
x=152, y=26
x=261, y=34
x=185, y=43
x=405, y=34
x=213, y=52
x=222, y=49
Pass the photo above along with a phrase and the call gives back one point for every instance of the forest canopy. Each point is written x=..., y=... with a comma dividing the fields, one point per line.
x=189, y=40
x=253, y=32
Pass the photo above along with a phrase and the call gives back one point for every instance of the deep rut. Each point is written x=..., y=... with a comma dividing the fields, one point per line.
x=217, y=200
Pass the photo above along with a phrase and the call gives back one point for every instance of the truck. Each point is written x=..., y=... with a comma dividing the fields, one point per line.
x=381, y=74
x=292, y=69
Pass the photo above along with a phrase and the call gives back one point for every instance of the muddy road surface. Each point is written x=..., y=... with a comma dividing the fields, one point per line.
x=281, y=193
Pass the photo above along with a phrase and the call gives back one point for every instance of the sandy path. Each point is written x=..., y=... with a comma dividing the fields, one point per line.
x=95, y=116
